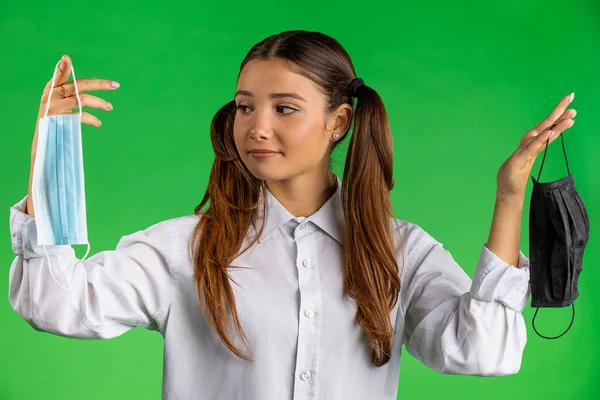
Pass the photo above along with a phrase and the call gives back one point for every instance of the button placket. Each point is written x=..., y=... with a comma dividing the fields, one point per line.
x=309, y=325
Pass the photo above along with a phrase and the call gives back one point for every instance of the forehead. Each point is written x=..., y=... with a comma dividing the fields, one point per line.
x=262, y=77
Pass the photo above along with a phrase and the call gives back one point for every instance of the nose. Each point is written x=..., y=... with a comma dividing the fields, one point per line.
x=260, y=126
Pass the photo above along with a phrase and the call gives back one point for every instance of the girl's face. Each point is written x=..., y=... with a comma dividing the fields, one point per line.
x=283, y=112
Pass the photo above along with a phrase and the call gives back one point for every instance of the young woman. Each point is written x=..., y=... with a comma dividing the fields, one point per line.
x=293, y=283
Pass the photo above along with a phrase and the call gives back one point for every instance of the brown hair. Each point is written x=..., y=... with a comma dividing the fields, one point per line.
x=370, y=270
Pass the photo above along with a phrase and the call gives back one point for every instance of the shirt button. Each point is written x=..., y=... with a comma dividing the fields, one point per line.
x=309, y=313
x=306, y=263
x=303, y=226
x=305, y=376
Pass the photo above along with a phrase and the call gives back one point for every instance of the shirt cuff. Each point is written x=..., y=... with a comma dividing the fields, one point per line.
x=23, y=233
x=497, y=280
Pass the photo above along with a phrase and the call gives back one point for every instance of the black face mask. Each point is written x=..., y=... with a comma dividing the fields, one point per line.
x=558, y=233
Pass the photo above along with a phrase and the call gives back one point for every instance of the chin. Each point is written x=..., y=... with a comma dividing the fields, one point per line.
x=267, y=173
x=260, y=169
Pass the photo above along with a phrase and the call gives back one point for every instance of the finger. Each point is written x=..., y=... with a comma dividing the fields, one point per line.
x=555, y=114
x=549, y=135
x=87, y=100
x=87, y=118
x=86, y=85
x=63, y=71
x=570, y=113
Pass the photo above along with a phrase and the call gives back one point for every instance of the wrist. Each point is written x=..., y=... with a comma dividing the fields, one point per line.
x=513, y=199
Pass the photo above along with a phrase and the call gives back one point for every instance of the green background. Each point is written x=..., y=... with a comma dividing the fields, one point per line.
x=462, y=82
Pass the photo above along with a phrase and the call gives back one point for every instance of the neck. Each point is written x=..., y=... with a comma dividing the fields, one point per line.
x=303, y=195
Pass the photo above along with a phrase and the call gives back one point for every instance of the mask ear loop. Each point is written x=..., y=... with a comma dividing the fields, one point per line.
x=80, y=114
x=72, y=273
x=52, y=88
x=553, y=337
x=52, y=274
x=564, y=152
x=45, y=115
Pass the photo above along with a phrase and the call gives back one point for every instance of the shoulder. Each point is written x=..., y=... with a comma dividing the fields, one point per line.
x=410, y=238
x=170, y=238
x=165, y=234
x=174, y=225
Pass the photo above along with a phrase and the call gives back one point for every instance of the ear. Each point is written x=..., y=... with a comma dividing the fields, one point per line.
x=339, y=121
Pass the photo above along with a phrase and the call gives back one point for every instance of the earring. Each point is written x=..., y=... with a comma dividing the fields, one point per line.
x=336, y=136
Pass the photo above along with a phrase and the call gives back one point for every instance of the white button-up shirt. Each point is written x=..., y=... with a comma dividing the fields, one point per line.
x=304, y=337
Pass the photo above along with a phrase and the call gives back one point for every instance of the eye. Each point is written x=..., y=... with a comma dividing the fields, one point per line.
x=289, y=108
x=240, y=107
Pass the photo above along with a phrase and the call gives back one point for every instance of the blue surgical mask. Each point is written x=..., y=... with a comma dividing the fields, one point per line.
x=58, y=189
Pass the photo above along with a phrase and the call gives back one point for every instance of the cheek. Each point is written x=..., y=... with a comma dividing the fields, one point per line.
x=236, y=129
x=308, y=141
x=238, y=136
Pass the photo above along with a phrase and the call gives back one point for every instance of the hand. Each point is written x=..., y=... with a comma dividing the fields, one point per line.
x=64, y=100
x=514, y=173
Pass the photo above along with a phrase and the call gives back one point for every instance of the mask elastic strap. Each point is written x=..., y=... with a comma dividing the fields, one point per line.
x=72, y=274
x=52, y=88
x=553, y=337
x=564, y=152
x=52, y=273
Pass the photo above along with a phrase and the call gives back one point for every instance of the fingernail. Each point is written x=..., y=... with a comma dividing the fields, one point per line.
x=115, y=84
x=571, y=123
x=574, y=113
x=109, y=106
x=571, y=97
x=99, y=123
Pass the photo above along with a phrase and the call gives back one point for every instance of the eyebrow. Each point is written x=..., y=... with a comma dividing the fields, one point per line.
x=272, y=95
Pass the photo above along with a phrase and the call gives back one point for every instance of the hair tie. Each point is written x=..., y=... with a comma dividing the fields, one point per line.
x=354, y=86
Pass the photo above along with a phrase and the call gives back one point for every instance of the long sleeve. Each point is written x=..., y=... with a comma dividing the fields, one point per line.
x=458, y=326
x=110, y=293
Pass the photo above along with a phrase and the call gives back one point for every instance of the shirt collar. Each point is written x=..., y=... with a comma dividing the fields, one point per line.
x=329, y=218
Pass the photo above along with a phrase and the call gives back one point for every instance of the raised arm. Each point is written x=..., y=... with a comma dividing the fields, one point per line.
x=458, y=326
x=110, y=293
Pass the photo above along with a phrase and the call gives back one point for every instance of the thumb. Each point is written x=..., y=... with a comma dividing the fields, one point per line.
x=63, y=71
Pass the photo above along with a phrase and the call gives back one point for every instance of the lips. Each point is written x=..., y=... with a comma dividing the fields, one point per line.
x=263, y=151
x=263, y=154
